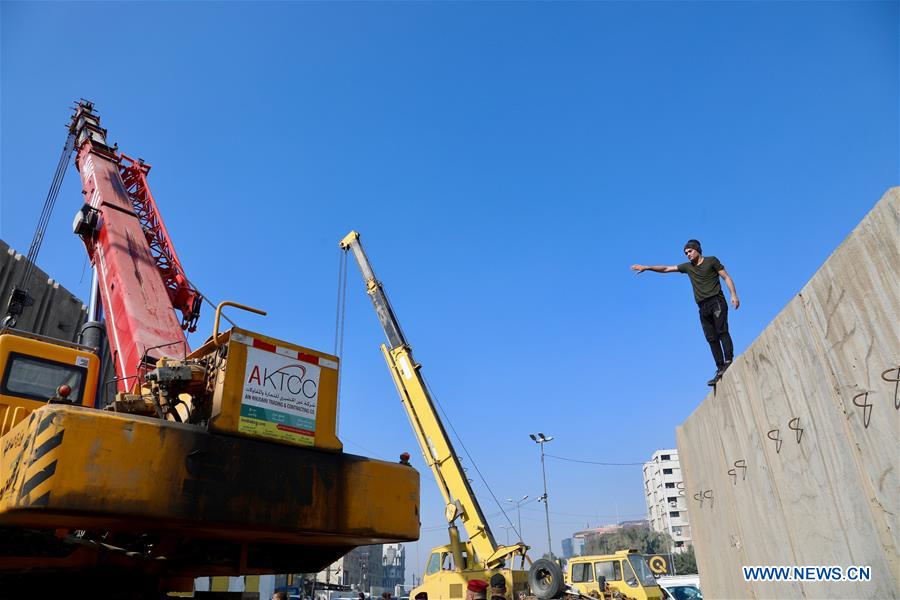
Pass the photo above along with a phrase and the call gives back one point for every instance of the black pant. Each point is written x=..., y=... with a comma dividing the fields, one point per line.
x=714, y=319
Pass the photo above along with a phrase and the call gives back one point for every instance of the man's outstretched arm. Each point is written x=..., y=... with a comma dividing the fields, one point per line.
x=734, y=297
x=657, y=269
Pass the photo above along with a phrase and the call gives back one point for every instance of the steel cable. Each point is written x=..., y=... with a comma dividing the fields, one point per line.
x=47, y=210
x=469, y=456
x=340, y=319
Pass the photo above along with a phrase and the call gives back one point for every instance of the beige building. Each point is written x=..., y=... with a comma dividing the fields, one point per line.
x=574, y=546
x=667, y=508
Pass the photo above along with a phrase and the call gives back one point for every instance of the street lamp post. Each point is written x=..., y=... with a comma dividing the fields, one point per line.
x=518, y=504
x=540, y=438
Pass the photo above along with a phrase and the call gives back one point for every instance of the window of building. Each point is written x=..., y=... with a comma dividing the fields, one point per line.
x=679, y=544
x=582, y=572
x=667, y=471
x=670, y=485
x=666, y=457
x=672, y=498
x=674, y=513
x=611, y=569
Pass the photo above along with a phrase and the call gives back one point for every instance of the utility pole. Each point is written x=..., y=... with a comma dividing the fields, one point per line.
x=507, y=528
x=518, y=504
x=540, y=438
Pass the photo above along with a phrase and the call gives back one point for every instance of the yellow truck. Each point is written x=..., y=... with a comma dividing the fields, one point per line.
x=624, y=574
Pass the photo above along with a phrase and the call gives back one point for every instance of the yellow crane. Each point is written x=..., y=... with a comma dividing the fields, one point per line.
x=624, y=574
x=449, y=567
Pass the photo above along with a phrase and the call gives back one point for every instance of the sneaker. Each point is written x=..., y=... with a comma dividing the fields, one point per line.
x=724, y=367
x=715, y=379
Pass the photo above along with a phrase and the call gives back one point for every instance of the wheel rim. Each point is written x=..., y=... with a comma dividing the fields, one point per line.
x=545, y=578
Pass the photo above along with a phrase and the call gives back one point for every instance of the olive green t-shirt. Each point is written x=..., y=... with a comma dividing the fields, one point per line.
x=704, y=277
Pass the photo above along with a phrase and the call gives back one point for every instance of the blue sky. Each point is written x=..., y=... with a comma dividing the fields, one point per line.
x=505, y=164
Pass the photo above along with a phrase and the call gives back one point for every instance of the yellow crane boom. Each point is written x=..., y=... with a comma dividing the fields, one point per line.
x=459, y=499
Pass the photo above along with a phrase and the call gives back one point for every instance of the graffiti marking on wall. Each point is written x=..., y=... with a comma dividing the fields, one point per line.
x=794, y=425
x=896, y=382
x=865, y=405
x=738, y=464
x=704, y=495
x=775, y=438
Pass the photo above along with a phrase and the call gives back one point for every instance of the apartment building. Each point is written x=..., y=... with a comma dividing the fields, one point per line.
x=573, y=546
x=360, y=570
x=667, y=504
x=369, y=569
x=393, y=559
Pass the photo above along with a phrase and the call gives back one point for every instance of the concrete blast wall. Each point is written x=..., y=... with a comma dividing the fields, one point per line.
x=56, y=312
x=794, y=458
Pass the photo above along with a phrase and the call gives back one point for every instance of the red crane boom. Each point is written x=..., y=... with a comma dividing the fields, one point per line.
x=140, y=277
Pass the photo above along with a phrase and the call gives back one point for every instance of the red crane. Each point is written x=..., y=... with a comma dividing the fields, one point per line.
x=222, y=482
x=140, y=277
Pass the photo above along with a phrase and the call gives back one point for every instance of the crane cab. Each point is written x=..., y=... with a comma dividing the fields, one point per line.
x=449, y=569
x=34, y=367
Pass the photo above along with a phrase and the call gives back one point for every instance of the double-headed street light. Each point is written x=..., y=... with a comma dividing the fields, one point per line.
x=518, y=504
x=540, y=438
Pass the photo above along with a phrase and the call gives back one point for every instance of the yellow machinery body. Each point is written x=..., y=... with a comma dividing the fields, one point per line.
x=270, y=389
x=449, y=569
x=224, y=461
x=177, y=500
x=34, y=366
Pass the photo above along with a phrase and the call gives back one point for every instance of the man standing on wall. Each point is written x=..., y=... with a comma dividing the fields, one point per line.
x=704, y=272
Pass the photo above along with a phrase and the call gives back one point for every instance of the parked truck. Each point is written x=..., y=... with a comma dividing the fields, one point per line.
x=624, y=574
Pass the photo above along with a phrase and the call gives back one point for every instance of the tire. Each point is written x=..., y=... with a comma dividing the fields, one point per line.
x=545, y=578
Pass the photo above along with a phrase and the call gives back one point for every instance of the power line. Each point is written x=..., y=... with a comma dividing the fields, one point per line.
x=589, y=515
x=594, y=462
x=555, y=521
x=490, y=516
